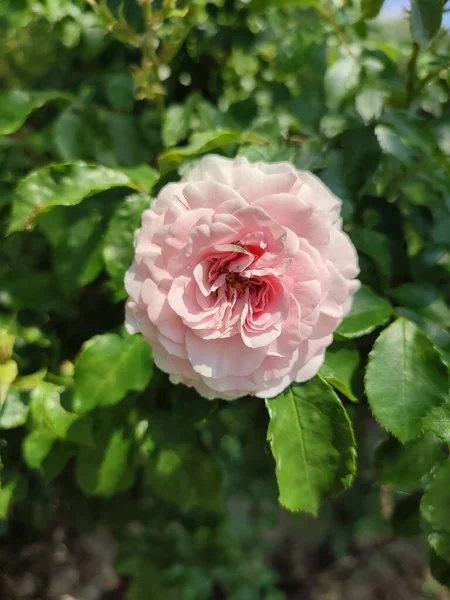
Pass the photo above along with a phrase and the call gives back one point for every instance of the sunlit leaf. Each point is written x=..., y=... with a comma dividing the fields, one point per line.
x=405, y=379
x=312, y=441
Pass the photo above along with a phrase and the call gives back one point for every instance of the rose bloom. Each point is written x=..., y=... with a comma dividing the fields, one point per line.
x=241, y=275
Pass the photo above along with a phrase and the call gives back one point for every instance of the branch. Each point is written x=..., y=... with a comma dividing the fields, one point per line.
x=412, y=73
x=431, y=77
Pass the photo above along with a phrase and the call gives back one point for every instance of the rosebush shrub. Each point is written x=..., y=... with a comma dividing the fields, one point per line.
x=105, y=105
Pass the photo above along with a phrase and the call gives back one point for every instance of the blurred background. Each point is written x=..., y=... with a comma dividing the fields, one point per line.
x=115, y=484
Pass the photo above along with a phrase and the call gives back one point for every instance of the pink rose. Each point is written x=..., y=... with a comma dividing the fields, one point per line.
x=241, y=275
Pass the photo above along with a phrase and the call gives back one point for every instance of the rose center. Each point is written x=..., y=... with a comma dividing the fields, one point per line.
x=239, y=283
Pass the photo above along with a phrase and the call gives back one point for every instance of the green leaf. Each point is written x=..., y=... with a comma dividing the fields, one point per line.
x=370, y=103
x=55, y=461
x=8, y=373
x=60, y=185
x=14, y=412
x=51, y=421
x=405, y=379
x=264, y=4
x=146, y=582
x=8, y=333
x=7, y=491
x=143, y=176
x=16, y=105
x=312, y=442
x=340, y=369
x=437, y=334
x=406, y=520
x=425, y=298
x=47, y=413
x=187, y=477
x=370, y=8
x=118, y=249
x=404, y=466
x=175, y=124
x=376, y=245
x=434, y=509
x=341, y=80
x=36, y=446
x=368, y=312
x=119, y=90
x=100, y=468
x=390, y=143
x=440, y=568
x=426, y=17
x=438, y=422
x=201, y=143
x=76, y=235
x=108, y=367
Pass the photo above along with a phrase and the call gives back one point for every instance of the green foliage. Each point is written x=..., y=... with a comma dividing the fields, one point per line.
x=118, y=241
x=405, y=379
x=60, y=185
x=102, y=103
x=341, y=369
x=313, y=445
x=426, y=16
x=434, y=509
x=16, y=105
x=108, y=367
x=370, y=8
x=405, y=466
x=369, y=311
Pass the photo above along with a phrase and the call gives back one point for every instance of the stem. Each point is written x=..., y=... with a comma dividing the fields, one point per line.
x=431, y=77
x=328, y=15
x=58, y=379
x=412, y=73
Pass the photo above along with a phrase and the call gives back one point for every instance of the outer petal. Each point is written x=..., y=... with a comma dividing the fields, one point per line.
x=221, y=357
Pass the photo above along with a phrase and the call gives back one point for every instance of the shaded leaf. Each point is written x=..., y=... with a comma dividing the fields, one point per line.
x=426, y=17
x=376, y=245
x=405, y=465
x=7, y=491
x=36, y=446
x=188, y=478
x=370, y=8
x=16, y=105
x=340, y=368
x=118, y=249
x=100, y=468
x=368, y=312
x=434, y=509
x=108, y=367
x=76, y=235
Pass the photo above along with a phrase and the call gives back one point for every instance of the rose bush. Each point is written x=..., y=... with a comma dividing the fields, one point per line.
x=241, y=275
